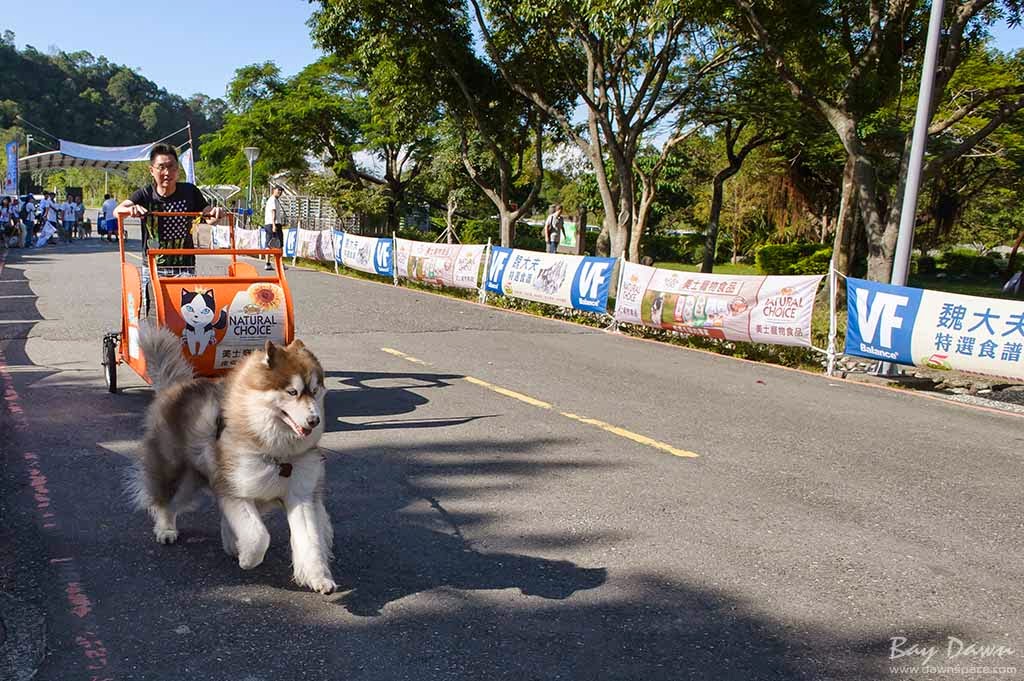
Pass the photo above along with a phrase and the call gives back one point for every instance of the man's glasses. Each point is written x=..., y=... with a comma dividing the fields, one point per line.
x=165, y=166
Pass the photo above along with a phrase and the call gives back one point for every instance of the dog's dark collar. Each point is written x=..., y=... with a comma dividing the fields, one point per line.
x=283, y=469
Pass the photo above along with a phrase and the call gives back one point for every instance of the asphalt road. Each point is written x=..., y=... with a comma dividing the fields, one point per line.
x=513, y=498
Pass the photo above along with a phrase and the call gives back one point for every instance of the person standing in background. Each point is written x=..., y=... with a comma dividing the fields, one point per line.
x=28, y=219
x=107, y=219
x=274, y=221
x=69, y=213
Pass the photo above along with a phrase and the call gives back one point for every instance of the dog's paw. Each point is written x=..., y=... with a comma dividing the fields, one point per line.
x=165, y=535
x=249, y=560
x=323, y=585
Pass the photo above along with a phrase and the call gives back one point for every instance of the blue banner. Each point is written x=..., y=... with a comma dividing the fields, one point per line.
x=11, y=178
x=579, y=282
x=591, y=284
x=880, y=322
x=291, y=240
x=338, y=238
x=500, y=257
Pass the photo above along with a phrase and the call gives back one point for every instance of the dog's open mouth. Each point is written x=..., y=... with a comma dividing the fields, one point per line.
x=301, y=431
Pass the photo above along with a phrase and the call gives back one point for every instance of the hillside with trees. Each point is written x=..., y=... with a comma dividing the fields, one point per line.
x=87, y=99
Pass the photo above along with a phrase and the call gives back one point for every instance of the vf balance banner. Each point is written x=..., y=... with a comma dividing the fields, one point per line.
x=575, y=281
x=935, y=330
x=755, y=309
x=366, y=254
x=452, y=265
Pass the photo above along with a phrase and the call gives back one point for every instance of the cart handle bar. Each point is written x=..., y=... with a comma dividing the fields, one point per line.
x=215, y=251
x=121, y=217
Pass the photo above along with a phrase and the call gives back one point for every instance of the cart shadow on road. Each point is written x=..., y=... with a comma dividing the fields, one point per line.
x=368, y=394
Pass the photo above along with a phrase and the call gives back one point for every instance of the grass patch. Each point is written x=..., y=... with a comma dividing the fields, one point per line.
x=984, y=288
x=725, y=268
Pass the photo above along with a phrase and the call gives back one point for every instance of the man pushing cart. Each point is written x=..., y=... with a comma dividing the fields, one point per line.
x=166, y=195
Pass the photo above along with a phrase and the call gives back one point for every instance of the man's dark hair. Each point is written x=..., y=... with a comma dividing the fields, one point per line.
x=162, y=150
x=106, y=196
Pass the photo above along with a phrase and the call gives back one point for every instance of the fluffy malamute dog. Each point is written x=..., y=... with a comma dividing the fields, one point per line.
x=251, y=439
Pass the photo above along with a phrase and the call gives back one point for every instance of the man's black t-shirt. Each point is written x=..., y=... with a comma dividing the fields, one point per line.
x=170, y=232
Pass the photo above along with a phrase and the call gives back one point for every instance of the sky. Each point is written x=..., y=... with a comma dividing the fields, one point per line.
x=185, y=46
x=190, y=46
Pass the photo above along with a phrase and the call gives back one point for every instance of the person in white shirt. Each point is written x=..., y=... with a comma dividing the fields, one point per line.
x=28, y=209
x=49, y=208
x=274, y=221
x=108, y=220
x=69, y=216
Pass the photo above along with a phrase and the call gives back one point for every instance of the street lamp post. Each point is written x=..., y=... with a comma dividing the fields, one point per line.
x=251, y=154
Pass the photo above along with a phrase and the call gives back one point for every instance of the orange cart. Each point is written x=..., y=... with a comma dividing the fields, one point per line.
x=220, y=319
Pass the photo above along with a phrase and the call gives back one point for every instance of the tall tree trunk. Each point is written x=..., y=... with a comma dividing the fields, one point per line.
x=711, y=235
x=508, y=227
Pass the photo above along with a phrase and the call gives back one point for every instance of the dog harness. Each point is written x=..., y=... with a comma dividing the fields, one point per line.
x=283, y=469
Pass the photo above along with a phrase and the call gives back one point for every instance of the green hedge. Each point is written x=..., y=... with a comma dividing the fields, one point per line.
x=794, y=258
x=966, y=263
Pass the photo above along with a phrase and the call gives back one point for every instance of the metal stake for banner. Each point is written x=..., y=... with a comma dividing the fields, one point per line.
x=830, y=368
x=614, y=326
x=394, y=249
x=295, y=253
x=487, y=273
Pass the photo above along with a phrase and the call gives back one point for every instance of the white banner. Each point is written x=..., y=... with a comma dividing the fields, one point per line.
x=754, y=309
x=576, y=281
x=452, y=265
x=249, y=238
x=366, y=254
x=138, y=152
x=307, y=243
x=220, y=236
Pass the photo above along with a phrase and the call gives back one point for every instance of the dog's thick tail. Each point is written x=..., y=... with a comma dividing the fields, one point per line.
x=165, y=364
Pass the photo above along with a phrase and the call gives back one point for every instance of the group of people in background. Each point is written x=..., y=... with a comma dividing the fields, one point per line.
x=28, y=222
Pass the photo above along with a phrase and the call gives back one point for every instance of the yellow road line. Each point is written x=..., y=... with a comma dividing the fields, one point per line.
x=641, y=439
x=615, y=430
x=507, y=393
x=398, y=353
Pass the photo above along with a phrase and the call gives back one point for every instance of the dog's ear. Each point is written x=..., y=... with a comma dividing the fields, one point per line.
x=271, y=351
x=296, y=345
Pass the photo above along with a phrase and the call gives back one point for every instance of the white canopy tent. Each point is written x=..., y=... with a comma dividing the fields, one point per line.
x=114, y=159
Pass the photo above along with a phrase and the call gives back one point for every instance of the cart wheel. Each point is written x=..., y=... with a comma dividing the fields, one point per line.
x=110, y=363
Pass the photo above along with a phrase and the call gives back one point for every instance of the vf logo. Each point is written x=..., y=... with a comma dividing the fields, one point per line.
x=383, y=257
x=497, y=268
x=592, y=277
x=878, y=314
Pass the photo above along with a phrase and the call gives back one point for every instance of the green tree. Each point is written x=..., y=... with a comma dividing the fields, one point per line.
x=856, y=66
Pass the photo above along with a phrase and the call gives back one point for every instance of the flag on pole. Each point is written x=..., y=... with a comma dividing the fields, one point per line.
x=188, y=163
x=11, y=178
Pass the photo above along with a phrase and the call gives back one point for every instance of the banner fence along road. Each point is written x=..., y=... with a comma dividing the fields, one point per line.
x=367, y=254
x=896, y=324
x=747, y=308
x=452, y=265
x=576, y=281
x=935, y=330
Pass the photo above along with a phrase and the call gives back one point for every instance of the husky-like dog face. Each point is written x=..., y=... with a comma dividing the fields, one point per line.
x=197, y=307
x=290, y=384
